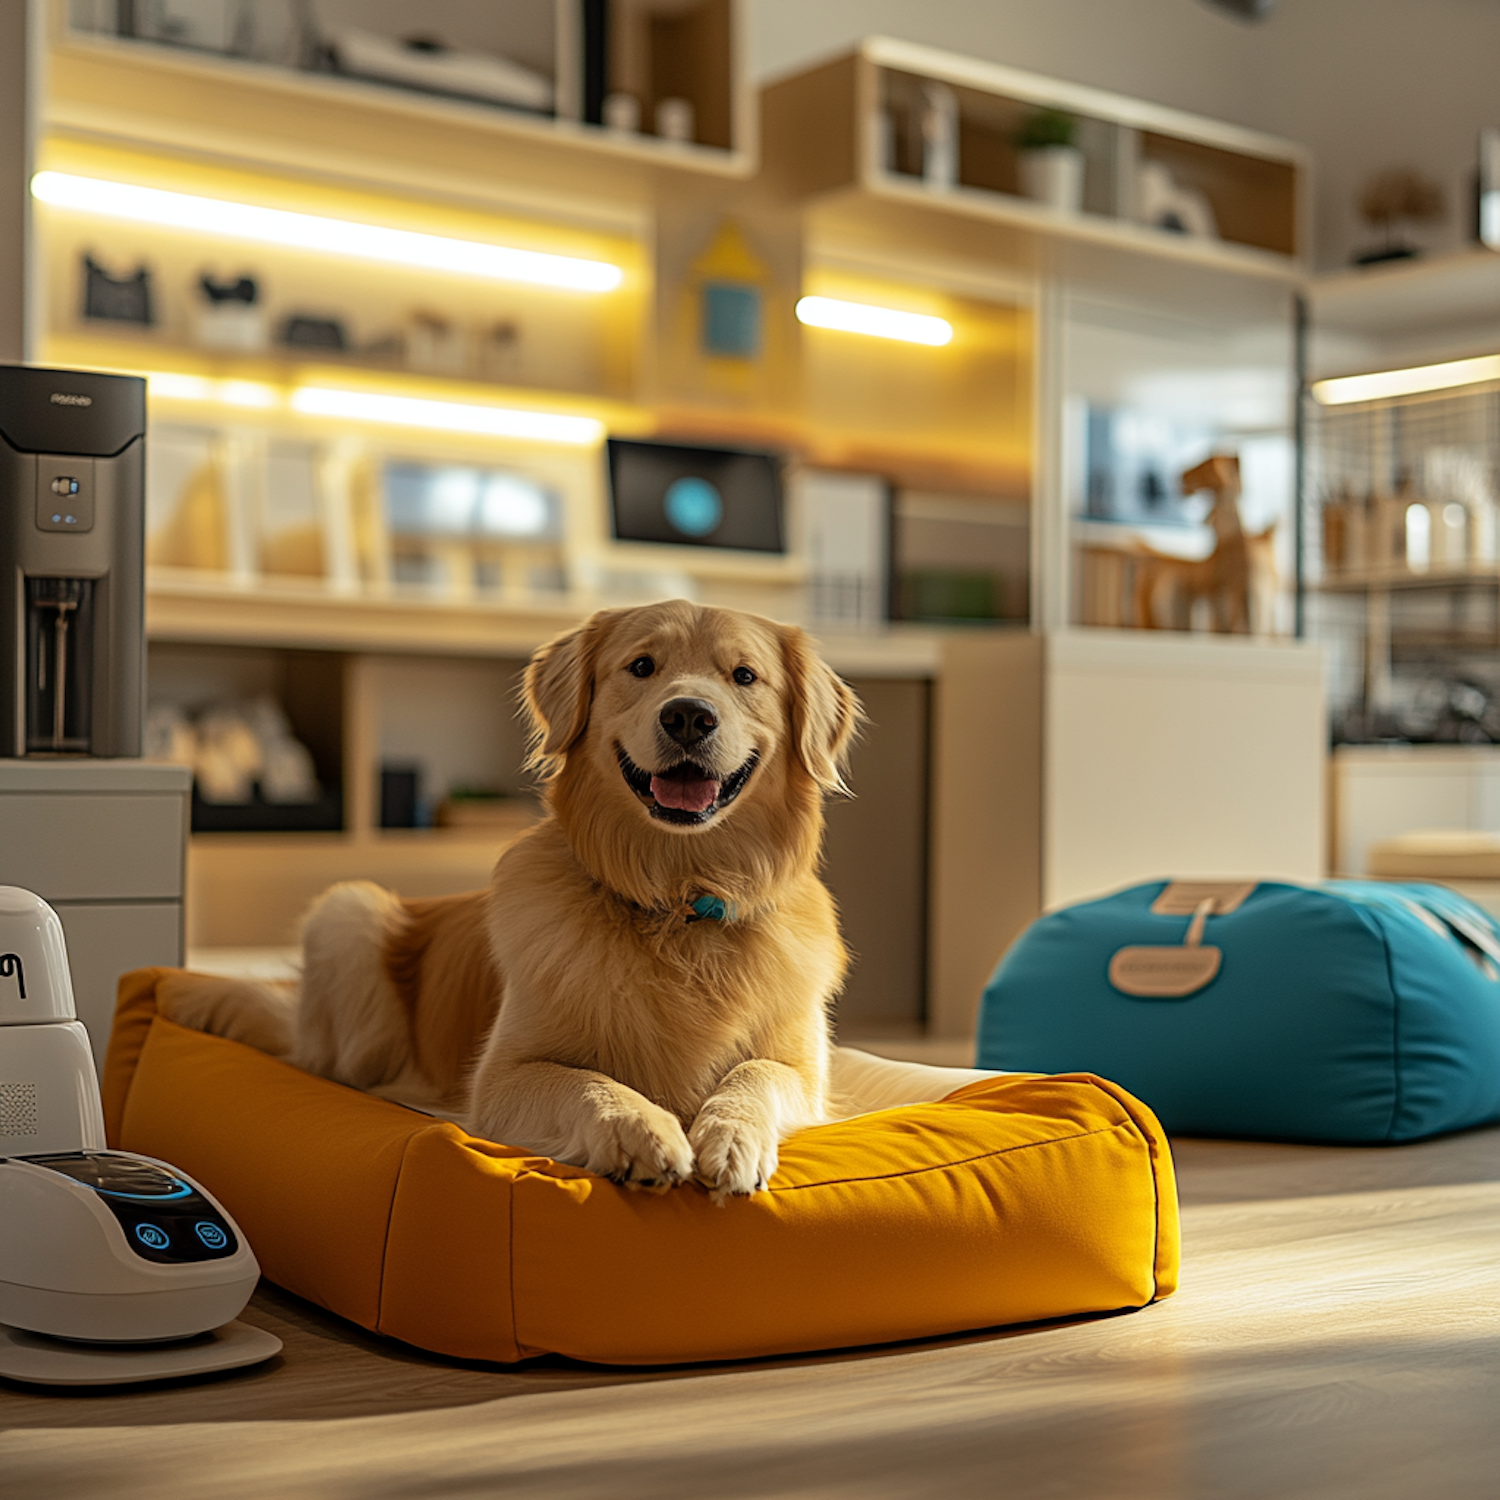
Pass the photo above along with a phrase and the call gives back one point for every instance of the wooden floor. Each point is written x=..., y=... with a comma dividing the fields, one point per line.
x=1337, y=1336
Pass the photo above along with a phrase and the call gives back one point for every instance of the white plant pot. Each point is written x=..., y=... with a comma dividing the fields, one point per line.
x=1054, y=175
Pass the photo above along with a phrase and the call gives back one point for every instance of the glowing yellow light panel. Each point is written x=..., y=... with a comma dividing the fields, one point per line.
x=448, y=416
x=1385, y=384
x=275, y=226
x=874, y=322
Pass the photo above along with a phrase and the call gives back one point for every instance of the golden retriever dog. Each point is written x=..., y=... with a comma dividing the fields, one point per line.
x=643, y=989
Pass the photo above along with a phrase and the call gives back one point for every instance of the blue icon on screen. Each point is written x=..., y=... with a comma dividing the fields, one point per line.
x=211, y=1234
x=152, y=1237
x=693, y=506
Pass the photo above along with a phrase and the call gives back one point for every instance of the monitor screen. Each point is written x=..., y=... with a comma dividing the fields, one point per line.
x=695, y=497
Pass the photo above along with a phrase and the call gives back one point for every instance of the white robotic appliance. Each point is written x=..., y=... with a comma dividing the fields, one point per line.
x=114, y=1267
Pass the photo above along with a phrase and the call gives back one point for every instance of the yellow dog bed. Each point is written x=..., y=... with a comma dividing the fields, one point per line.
x=1013, y=1199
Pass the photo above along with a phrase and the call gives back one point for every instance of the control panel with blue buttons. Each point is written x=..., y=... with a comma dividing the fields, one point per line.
x=165, y=1218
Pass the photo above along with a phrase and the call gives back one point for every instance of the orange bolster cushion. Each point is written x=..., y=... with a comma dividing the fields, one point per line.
x=1011, y=1200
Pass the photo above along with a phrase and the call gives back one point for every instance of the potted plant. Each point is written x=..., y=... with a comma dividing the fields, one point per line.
x=1051, y=165
x=1391, y=197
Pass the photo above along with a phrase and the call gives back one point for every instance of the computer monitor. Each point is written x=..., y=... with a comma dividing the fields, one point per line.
x=688, y=496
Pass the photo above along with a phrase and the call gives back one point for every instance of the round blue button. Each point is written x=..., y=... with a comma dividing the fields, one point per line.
x=693, y=506
x=152, y=1237
x=210, y=1234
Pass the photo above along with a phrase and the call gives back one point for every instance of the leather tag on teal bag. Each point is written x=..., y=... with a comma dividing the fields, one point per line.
x=1162, y=973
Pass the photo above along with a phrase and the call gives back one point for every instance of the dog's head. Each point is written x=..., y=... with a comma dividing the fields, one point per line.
x=684, y=722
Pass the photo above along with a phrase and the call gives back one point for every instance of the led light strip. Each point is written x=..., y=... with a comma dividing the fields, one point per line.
x=874, y=322
x=251, y=393
x=1385, y=384
x=448, y=416
x=398, y=411
x=275, y=226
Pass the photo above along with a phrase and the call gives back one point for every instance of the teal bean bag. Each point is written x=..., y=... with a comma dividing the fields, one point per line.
x=1352, y=1011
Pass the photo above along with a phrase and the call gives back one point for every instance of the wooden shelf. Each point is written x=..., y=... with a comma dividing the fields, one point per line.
x=1409, y=295
x=1475, y=575
x=323, y=126
x=820, y=144
x=211, y=610
x=206, y=610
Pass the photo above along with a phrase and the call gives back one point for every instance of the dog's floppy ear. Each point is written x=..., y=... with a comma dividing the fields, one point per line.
x=825, y=714
x=558, y=691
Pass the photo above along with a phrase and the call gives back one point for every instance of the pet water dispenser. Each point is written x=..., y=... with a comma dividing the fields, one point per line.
x=72, y=540
x=114, y=1267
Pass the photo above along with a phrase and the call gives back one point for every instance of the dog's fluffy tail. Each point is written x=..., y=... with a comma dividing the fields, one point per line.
x=351, y=1026
x=344, y=1019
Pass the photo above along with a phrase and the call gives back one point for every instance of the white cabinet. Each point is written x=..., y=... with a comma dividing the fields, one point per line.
x=1069, y=764
x=104, y=841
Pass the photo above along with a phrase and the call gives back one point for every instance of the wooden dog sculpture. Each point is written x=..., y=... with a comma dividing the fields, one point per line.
x=1225, y=578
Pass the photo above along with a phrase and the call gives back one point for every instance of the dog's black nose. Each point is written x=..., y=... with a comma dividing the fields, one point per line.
x=689, y=721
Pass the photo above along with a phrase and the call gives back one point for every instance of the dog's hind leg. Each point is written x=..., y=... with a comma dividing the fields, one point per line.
x=351, y=1024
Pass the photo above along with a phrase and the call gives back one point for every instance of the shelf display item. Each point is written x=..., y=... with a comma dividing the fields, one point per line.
x=1407, y=576
x=426, y=63
x=1240, y=569
x=732, y=282
x=1487, y=189
x=1390, y=199
x=676, y=121
x=960, y=557
x=114, y=1267
x=1164, y=203
x=307, y=331
x=1051, y=165
x=230, y=315
x=117, y=299
x=187, y=525
x=501, y=352
x=844, y=521
x=72, y=568
x=939, y=127
x=728, y=334
x=621, y=114
x=689, y=496
x=250, y=772
x=266, y=30
x=435, y=346
x=461, y=532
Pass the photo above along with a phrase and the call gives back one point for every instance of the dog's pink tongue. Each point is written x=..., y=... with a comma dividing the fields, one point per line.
x=687, y=796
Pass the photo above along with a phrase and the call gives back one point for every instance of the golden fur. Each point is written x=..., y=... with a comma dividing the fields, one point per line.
x=577, y=1008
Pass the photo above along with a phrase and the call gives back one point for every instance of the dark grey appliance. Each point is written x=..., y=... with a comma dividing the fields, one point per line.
x=72, y=562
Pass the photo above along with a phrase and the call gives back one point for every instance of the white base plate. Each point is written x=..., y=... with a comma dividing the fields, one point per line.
x=39, y=1360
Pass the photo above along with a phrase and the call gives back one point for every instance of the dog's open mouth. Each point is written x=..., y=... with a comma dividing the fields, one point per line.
x=686, y=793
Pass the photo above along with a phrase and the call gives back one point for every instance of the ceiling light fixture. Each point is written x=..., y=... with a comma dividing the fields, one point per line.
x=343, y=237
x=875, y=322
x=448, y=416
x=1385, y=384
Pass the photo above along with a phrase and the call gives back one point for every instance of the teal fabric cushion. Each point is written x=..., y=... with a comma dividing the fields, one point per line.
x=1352, y=1011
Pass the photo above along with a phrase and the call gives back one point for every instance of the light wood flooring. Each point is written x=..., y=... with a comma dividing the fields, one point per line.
x=1337, y=1336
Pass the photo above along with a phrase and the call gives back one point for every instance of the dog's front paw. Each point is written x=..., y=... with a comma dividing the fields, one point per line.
x=734, y=1154
x=643, y=1148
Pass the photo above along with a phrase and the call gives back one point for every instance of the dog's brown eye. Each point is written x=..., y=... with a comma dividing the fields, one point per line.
x=744, y=676
x=642, y=666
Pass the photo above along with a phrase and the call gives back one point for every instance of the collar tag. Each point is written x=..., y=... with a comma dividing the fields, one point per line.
x=710, y=908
